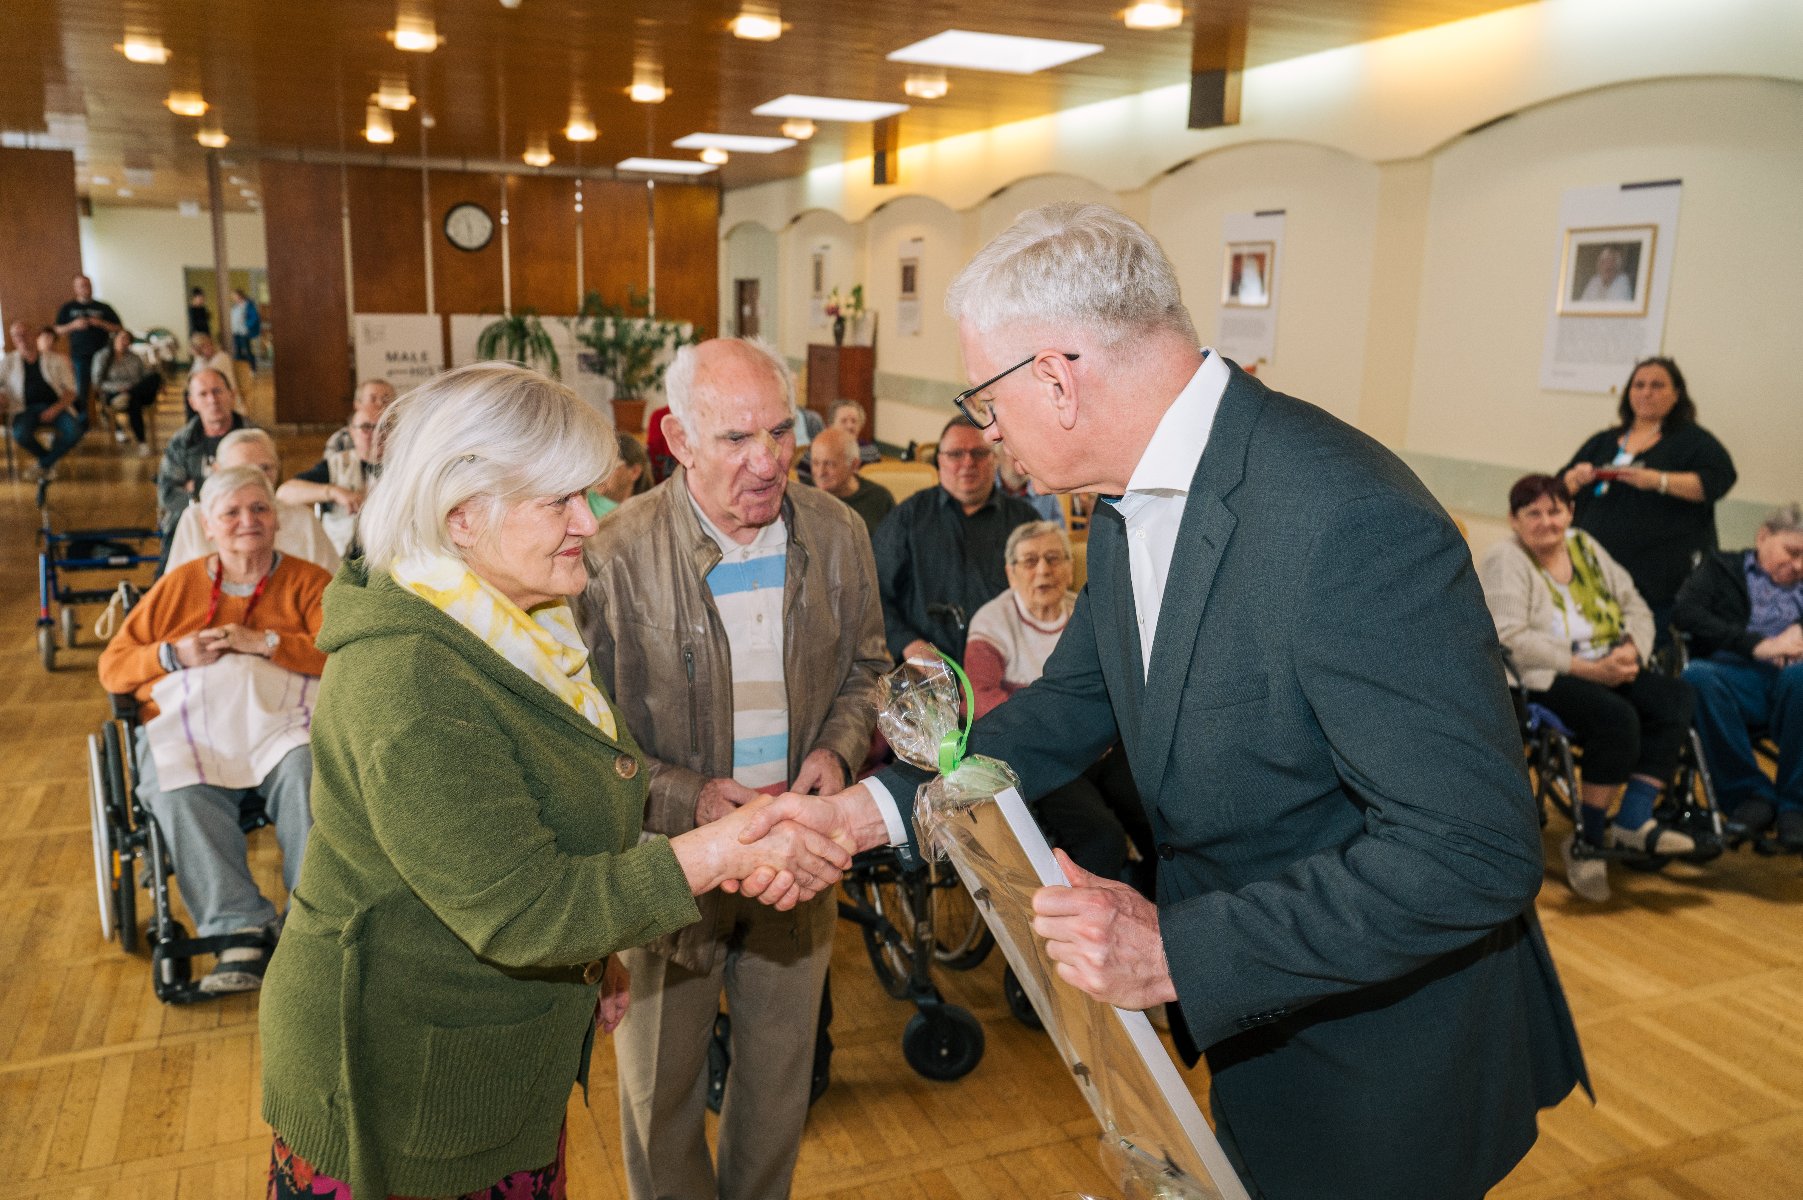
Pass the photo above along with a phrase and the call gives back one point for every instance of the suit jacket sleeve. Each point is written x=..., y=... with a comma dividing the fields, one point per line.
x=1397, y=662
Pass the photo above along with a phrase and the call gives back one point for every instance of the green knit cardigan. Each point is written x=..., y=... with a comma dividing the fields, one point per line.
x=475, y=851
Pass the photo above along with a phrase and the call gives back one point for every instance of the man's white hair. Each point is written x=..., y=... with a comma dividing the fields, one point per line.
x=1082, y=265
x=488, y=431
x=221, y=484
x=679, y=380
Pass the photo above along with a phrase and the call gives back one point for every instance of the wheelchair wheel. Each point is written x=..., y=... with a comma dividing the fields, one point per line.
x=891, y=954
x=116, y=762
x=961, y=938
x=943, y=1042
x=1018, y=1004
x=71, y=626
x=1555, y=776
x=102, y=837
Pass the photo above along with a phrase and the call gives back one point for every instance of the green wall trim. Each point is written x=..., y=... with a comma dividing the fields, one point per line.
x=1482, y=489
x=911, y=389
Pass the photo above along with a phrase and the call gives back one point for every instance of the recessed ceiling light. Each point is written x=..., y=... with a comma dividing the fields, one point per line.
x=143, y=48
x=124, y=193
x=715, y=155
x=236, y=181
x=581, y=129
x=415, y=33
x=394, y=95
x=798, y=129
x=102, y=181
x=1153, y=14
x=648, y=93
x=827, y=108
x=993, y=52
x=248, y=193
x=664, y=166
x=756, y=26
x=737, y=142
x=212, y=139
x=186, y=104
x=188, y=208
x=378, y=129
x=537, y=155
x=930, y=85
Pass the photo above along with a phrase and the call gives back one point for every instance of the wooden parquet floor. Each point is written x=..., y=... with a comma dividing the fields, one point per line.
x=1688, y=989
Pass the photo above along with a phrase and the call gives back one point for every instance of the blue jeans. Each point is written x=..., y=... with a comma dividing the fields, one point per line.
x=67, y=427
x=1736, y=696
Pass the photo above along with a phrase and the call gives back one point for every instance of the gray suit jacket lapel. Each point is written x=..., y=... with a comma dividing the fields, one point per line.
x=1207, y=525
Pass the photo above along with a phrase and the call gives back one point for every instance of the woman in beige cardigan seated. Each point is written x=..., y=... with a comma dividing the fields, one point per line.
x=1578, y=634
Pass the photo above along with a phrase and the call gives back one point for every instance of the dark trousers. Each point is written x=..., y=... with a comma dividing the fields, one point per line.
x=1734, y=697
x=1635, y=729
x=1094, y=817
x=243, y=352
x=67, y=429
x=140, y=396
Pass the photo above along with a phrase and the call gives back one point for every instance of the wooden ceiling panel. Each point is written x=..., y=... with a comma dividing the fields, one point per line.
x=288, y=78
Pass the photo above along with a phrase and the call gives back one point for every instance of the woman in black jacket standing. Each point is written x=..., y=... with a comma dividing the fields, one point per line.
x=1646, y=488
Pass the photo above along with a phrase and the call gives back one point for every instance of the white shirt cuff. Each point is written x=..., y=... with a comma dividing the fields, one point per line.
x=885, y=804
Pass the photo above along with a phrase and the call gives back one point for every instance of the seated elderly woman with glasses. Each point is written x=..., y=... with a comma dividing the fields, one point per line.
x=478, y=856
x=1095, y=815
x=220, y=656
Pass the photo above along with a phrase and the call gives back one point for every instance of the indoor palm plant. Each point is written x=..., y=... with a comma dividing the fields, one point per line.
x=519, y=337
x=631, y=348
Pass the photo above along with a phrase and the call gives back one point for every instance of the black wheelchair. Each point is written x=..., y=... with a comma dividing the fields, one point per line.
x=1554, y=764
x=130, y=852
x=1763, y=842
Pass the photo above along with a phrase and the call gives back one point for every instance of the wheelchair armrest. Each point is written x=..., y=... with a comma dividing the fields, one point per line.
x=125, y=707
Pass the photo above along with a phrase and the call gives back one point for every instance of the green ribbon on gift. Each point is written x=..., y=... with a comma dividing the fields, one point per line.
x=952, y=745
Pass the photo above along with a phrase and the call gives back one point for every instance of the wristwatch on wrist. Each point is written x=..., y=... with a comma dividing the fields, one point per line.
x=271, y=640
x=1664, y=482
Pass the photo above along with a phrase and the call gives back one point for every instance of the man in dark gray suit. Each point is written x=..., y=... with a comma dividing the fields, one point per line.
x=1285, y=631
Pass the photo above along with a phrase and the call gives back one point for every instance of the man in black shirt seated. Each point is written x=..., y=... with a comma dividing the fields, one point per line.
x=836, y=463
x=939, y=555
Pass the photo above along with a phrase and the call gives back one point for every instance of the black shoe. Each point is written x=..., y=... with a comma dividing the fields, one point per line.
x=1790, y=830
x=1750, y=819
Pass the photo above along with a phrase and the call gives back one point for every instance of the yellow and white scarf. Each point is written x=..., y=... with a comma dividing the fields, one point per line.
x=543, y=643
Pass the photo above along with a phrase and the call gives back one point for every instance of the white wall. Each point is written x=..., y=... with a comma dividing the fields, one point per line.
x=751, y=251
x=136, y=255
x=933, y=352
x=844, y=270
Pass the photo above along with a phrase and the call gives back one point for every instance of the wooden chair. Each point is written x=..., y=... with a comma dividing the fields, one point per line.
x=902, y=479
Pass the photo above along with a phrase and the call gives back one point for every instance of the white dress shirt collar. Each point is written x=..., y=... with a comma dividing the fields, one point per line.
x=1169, y=464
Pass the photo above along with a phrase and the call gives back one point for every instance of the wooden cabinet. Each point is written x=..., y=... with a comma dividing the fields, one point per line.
x=847, y=372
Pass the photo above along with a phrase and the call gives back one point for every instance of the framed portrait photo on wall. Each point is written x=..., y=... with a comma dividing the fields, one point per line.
x=1246, y=274
x=1606, y=272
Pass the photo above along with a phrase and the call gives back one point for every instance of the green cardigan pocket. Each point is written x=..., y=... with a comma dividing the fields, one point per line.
x=488, y=1077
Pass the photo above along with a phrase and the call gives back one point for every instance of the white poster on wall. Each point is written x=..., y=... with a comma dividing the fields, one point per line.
x=577, y=366
x=820, y=264
x=907, y=306
x=406, y=349
x=1614, y=266
x=1251, y=251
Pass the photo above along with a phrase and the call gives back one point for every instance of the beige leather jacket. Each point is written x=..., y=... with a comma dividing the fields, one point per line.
x=660, y=651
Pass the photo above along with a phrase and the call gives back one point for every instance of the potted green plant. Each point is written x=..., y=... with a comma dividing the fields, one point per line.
x=631, y=348
x=519, y=337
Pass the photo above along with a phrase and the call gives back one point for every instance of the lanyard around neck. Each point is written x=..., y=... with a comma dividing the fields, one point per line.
x=219, y=588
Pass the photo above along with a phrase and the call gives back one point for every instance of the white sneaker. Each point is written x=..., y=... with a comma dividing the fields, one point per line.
x=119, y=436
x=1588, y=877
x=1652, y=838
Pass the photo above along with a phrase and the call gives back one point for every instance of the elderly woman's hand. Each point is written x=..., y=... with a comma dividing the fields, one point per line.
x=805, y=860
x=241, y=639
x=200, y=648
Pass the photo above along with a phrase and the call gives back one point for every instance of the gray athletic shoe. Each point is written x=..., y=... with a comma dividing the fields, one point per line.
x=1588, y=876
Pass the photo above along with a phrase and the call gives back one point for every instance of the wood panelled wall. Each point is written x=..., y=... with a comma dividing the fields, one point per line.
x=393, y=219
x=304, y=233
x=40, y=234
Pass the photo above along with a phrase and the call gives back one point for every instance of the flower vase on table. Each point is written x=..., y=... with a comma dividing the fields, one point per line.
x=838, y=331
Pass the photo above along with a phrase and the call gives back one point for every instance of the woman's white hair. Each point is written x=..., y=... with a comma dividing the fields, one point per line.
x=679, y=380
x=489, y=431
x=229, y=481
x=1031, y=530
x=251, y=435
x=1068, y=264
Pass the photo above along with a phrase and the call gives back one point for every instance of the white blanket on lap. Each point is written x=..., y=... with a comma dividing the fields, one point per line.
x=228, y=723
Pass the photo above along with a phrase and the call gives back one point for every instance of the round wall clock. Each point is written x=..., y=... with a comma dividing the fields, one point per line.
x=468, y=226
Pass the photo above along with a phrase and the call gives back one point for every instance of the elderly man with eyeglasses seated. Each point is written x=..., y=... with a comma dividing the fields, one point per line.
x=352, y=460
x=220, y=654
x=939, y=554
x=298, y=531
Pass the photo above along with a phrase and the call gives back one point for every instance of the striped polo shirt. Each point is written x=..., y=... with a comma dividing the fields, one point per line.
x=747, y=586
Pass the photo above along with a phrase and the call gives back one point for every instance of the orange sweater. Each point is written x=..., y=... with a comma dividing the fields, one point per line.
x=177, y=606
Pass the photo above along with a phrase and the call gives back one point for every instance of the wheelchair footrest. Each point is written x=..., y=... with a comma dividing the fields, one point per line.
x=171, y=962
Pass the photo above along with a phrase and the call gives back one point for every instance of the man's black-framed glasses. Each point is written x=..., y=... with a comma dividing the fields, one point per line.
x=981, y=411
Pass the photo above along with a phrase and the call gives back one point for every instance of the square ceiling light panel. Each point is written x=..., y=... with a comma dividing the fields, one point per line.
x=664, y=166
x=993, y=52
x=738, y=143
x=827, y=108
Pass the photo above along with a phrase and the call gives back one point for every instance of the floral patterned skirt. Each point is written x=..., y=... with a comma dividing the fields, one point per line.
x=292, y=1177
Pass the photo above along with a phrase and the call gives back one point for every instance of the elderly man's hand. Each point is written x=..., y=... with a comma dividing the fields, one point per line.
x=822, y=773
x=1781, y=648
x=719, y=798
x=1104, y=937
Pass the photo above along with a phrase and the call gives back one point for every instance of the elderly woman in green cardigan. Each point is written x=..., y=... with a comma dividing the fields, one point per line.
x=476, y=854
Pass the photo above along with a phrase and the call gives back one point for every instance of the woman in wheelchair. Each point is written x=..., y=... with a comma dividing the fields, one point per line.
x=1579, y=634
x=220, y=656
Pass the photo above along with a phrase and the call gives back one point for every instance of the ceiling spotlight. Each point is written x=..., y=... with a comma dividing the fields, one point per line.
x=415, y=33
x=648, y=84
x=799, y=129
x=714, y=155
x=378, y=130
x=537, y=154
x=248, y=193
x=212, y=139
x=393, y=95
x=1153, y=14
x=186, y=104
x=124, y=193
x=102, y=181
x=143, y=48
x=756, y=25
x=928, y=86
x=580, y=128
x=510, y=3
